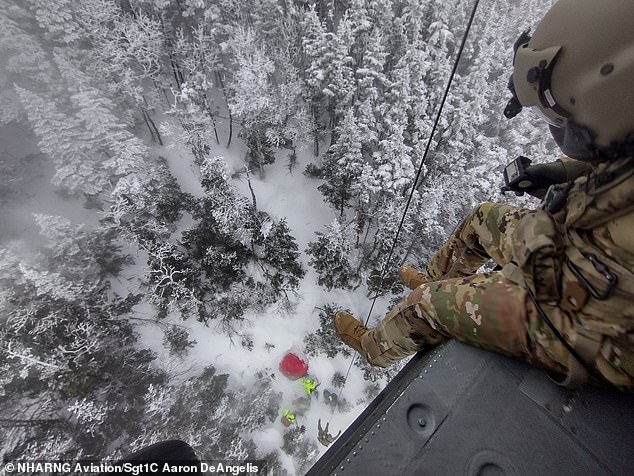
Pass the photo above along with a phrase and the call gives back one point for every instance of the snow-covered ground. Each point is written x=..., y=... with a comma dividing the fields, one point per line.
x=281, y=194
x=295, y=197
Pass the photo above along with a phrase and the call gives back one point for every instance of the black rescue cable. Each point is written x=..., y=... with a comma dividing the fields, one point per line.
x=465, y=36
x=427, y=147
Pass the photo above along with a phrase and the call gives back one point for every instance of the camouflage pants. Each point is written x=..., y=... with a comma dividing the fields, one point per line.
x=486, y=310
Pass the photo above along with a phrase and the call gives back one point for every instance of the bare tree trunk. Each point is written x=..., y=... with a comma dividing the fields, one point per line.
x=154, y=132
x=359, y=224
x=367, y=231
x=332, y=122
x=224, y=93
x=367, y=257
x=316, y=132
x=167, y=99
x=178, y=74
x=213, y=120
x=333, y=132
x=255, y=203
x=230, y=129
x=292, y=160
x=147, y=123
x=259, y=153
x=343, y=200
x=158, y=133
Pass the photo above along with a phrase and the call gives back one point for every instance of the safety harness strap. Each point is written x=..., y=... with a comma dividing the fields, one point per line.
x=582, y=353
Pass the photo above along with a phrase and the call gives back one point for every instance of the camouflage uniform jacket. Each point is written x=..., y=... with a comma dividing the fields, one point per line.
x=573, y=259
x=577, y=254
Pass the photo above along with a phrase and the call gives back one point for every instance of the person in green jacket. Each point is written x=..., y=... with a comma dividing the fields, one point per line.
x=288, y=417
x=310, y=385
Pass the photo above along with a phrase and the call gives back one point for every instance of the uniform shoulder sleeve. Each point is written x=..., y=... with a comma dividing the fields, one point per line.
x=574, y=168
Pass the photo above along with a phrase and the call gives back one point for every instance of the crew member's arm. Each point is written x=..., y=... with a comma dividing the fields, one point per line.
x=537, y=178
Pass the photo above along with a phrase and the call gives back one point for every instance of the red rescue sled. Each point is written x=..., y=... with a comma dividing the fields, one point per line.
x=294, y=364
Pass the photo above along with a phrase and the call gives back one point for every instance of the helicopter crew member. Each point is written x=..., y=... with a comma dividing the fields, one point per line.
x=564, y=297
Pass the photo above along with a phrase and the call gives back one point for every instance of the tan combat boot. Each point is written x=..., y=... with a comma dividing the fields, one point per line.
x=350, y=330
x=411, y=277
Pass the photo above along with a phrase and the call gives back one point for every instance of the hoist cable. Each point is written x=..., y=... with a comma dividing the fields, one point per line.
x=465, y=36
x=427, y=147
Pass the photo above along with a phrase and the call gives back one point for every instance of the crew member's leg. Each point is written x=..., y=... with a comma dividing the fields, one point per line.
x=484, y=310
x=485, y=234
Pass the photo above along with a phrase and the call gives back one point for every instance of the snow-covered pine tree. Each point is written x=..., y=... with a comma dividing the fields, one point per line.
x=230, y=215
x=176, y=340
x=333, y=257
x=56, y=18
x=372, y=85
x=69, y=245
x=65, y=345
x=325, y=340
x=60, y=136
x=198, y=124
x=173, y=281
x=297, y=444
x=123, y=152
x=25, y=61
x=202, y=411
x=343, y=165
x=125, y=49
x=252, y=95
x=281, y=253
x=313, y=64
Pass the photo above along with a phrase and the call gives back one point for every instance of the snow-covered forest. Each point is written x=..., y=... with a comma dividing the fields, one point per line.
x=190, y=188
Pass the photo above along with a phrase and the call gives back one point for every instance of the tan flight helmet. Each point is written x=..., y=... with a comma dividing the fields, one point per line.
x=577, y=70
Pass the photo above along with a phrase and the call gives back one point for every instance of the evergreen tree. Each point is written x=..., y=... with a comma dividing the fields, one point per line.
x=56, y=18
x=258, y=153
x=127, y=48
x=60, y=136
x=332, y=257
x=343, y=165
x=203, y=412
x=173, y=280
x=314, y=63
x=325, y=339
x=197, y=123
x=124, y=153
x=297, y=444
x=176, y=339
x=68, y=244
x=281, y=253
x=65, y=344
x=25, y=60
